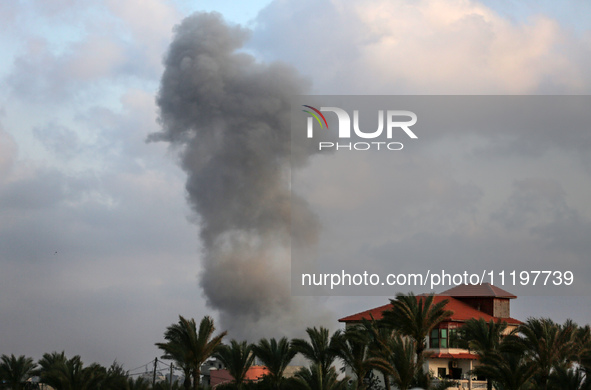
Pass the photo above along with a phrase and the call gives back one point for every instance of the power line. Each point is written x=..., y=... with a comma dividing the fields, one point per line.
x=144, y=366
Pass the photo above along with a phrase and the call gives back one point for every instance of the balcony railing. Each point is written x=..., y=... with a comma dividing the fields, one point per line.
x=464, y=384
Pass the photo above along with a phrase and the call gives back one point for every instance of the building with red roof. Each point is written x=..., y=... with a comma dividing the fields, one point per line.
x=221, y=375
x=445, y=359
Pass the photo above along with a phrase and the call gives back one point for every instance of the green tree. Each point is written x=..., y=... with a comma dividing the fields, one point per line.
x=380, y=346
x=276, y=356
x=394, y=356
x=415, y=317
x=547, y=344
x=483, y=337
x=508, y=368
x=51, y=360
x=582, y=339
x=237, y=357
x=405, y=369
x=564, y=378
x=353, y=349
x=115, y=378
x=70, y=374
x=16, y=370
x=402, y=366
x=314, y=378
x=321, y=350
x=189, y=347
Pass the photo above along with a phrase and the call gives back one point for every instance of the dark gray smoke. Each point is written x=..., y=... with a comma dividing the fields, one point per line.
x=230, y=116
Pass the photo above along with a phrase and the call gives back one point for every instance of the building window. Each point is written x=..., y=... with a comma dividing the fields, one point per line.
x=434, y=341
x=454, y=341
x=443, y=338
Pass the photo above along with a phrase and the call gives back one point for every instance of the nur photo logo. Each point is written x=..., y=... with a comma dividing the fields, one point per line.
x=397, y=122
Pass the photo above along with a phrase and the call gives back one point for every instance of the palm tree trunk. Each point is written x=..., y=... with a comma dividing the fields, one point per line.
x=361, y=382
x=386, y=380
x=420, y=348
x=196, y=378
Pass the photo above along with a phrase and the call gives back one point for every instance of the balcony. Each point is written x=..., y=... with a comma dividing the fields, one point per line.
x=465, y=384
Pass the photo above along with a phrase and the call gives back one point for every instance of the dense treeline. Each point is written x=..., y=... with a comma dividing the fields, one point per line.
x=539, y=354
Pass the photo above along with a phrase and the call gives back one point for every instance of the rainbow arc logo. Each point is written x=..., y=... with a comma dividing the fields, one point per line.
x=316, y=116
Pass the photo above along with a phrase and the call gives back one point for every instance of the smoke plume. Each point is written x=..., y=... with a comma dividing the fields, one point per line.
x=229, y=117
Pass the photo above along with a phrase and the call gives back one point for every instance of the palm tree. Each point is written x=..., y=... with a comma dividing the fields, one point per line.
x=70, y=374
x=237, y=357
x=398, y=352
x=314, y=378
x=547, y=344
x=508, y=368
x=353, y=350
x=380, y=345
x=394, y=355
x=415, y=317
x=582, y=350
x=483, y=337
x=276, y=356
x=563, y=378
x=50, y=360
x=15, y=371
x=92, y=377
x=48, y=365
x=189, y=347
x=404, y=368
x=322, y=348
x=115, y=378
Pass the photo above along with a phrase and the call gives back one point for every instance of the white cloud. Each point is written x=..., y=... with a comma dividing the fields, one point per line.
x=427, y=46
x=95, y=58
x=150, y=24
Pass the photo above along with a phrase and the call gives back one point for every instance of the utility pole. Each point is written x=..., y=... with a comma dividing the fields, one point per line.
x=154, y=376
x=170, y=380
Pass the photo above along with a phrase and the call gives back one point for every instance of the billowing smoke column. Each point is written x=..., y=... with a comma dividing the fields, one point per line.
x=230, y=117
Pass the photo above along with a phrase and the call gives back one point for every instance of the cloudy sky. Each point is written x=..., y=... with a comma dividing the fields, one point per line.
x=103, y=238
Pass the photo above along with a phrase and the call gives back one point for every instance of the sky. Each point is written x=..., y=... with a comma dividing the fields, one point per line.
x=103, y=224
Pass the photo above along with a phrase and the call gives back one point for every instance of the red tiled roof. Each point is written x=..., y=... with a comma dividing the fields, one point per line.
x=461, y=312
x=217, y=377
x=222, y=375
x=376, y=314
x=453, y=356
x=255, y=373
x=478, y=291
